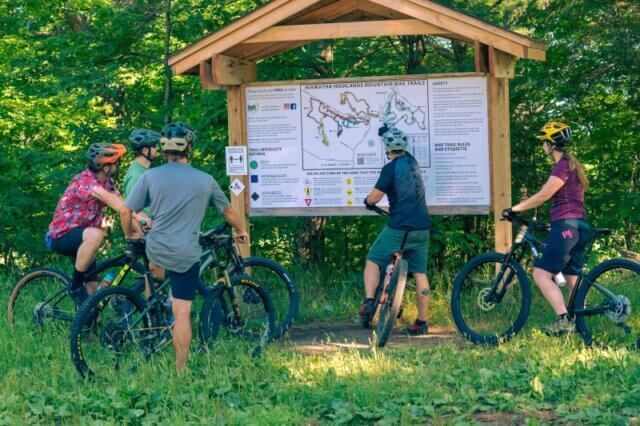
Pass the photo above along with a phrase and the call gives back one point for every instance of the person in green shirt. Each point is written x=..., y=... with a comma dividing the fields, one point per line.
x=145, y=147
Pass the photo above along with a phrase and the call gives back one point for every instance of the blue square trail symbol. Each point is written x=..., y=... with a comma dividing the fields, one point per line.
x=254, y=178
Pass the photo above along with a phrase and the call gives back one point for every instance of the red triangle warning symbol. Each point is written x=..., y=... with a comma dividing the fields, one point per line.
x=308, y=201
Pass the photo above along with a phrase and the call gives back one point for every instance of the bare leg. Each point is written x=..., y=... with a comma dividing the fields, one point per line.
x=423, y=294
x=91, y=241
x=371, y=279
x=550, y=290
x=181, y=331
x=571, y=281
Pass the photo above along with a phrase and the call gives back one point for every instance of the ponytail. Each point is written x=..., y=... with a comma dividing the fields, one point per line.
x=574, y=165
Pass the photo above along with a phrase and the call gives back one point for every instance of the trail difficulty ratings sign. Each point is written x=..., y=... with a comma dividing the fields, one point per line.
x=317, y=145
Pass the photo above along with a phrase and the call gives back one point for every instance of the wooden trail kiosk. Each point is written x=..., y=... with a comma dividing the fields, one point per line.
x=226, y=60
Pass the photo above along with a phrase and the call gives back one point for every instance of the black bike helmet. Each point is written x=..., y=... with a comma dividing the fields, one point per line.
x=144, y=138
x=176, y=137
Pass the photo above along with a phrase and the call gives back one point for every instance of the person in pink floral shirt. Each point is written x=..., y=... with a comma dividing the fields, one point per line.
x=76, y=228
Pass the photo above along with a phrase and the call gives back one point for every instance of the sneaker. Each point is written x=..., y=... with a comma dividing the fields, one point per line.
x=78, y=296
x=366, y=311
x=415, y=330
x=560, y=327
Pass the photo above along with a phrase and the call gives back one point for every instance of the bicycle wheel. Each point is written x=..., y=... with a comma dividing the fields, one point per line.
x=490, y=300
x=388, y=312
x=111, y=326
x=608, y=305
x=281, y=288
x=244, y=310
x=40, y=298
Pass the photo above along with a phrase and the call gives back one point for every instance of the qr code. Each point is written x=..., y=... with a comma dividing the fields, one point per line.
x=360, y=161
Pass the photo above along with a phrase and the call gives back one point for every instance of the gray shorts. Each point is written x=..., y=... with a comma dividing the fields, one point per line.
x=416, y=249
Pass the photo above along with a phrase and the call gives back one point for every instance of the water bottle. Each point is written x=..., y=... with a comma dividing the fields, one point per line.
x=559, y=279
x=389, y=268
x=107, y=280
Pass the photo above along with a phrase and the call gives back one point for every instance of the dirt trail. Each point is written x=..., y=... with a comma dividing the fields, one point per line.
x=326, y=337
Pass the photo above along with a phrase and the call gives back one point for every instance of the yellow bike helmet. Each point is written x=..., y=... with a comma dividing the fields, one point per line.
x=555, y=132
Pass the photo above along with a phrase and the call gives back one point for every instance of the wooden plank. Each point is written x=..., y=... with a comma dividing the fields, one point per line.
x=364, y=79
x=501, y=64
x=254, y=52
x=206, y=76
x=237, y=137
x=361, y=211
x=480, y=24
x=218, y=44
x=378, y=10
x=245, y=20
x=453, y=25
x=481, y=56
x=228, y=71
x=325, y=13
x=338, y=30
x=500, y=158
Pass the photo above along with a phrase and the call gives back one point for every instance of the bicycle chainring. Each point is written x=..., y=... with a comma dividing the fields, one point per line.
x=482, y=303
x=620, y=309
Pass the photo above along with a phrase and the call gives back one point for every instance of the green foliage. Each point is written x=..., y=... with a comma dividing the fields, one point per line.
x=76, y=72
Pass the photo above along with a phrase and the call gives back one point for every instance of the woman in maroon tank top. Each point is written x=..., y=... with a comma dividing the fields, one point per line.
x=564, y=247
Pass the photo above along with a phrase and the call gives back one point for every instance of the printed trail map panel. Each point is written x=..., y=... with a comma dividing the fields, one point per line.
x=314, y=148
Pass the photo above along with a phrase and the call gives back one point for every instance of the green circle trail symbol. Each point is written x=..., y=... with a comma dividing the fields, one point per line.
x=253, y=164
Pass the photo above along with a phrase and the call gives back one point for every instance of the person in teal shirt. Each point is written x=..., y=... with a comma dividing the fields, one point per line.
x=145, y=147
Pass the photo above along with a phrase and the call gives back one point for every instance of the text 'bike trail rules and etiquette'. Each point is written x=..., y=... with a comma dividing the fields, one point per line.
x=317, y=145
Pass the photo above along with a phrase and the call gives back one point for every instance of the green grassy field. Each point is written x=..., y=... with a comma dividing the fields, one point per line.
x=534, y=379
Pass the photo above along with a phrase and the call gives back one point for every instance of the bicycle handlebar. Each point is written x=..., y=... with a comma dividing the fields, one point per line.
x=538, y=226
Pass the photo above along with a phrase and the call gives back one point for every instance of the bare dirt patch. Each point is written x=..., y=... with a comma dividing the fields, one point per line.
x=327, y=337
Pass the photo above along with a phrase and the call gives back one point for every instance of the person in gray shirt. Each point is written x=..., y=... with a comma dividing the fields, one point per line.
x=178, y=196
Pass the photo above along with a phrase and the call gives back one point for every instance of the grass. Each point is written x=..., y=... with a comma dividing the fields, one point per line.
x=533, y=378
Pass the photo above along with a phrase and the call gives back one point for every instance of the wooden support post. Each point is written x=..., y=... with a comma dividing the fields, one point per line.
x=501, y=64
x=237, y=137
x=499, y=138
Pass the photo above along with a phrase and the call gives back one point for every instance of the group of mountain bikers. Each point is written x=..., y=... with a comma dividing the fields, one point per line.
x=166, y=206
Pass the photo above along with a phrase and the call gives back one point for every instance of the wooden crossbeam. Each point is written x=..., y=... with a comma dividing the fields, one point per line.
x=344, y=30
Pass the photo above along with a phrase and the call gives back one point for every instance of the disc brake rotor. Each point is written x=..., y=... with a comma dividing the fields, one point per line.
x=620, y=310
x=482, y=303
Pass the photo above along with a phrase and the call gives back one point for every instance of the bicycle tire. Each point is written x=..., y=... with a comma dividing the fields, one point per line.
x=488, y=322
x=216, y=314
x=389, y=310
x=103, y=335
x=613, y=318
x=278, y=282
x=47, y=301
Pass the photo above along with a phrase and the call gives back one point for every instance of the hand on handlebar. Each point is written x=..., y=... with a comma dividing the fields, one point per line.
x=508, y=214
x=368, y=206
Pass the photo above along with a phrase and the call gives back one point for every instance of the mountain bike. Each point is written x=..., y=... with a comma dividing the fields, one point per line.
x=491, y=296
x=267, y=273
x=389, y=293
x=117, y=324
x=40, y=296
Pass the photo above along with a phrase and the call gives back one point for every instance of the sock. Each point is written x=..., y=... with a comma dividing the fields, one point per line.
x=78, y=279
x=563, y=316
x=418, y=322
x=369, y=299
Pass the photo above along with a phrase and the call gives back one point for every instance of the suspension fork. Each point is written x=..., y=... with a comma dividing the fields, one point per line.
x=501, y=283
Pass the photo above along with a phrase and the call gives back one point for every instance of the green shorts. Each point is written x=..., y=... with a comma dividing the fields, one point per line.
x=416, y=249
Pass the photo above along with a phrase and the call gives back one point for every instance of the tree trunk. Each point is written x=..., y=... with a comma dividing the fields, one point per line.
x=168, y=76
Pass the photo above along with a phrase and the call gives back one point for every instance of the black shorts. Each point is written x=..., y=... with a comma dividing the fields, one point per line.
x=563, y=250
x=68, y=245
x=185, y=284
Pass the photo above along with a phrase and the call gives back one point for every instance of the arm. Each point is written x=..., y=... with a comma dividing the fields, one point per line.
x=374, y=196
x=234, y=220
x=546, y=192
x=125, y=221
x=110, y=199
